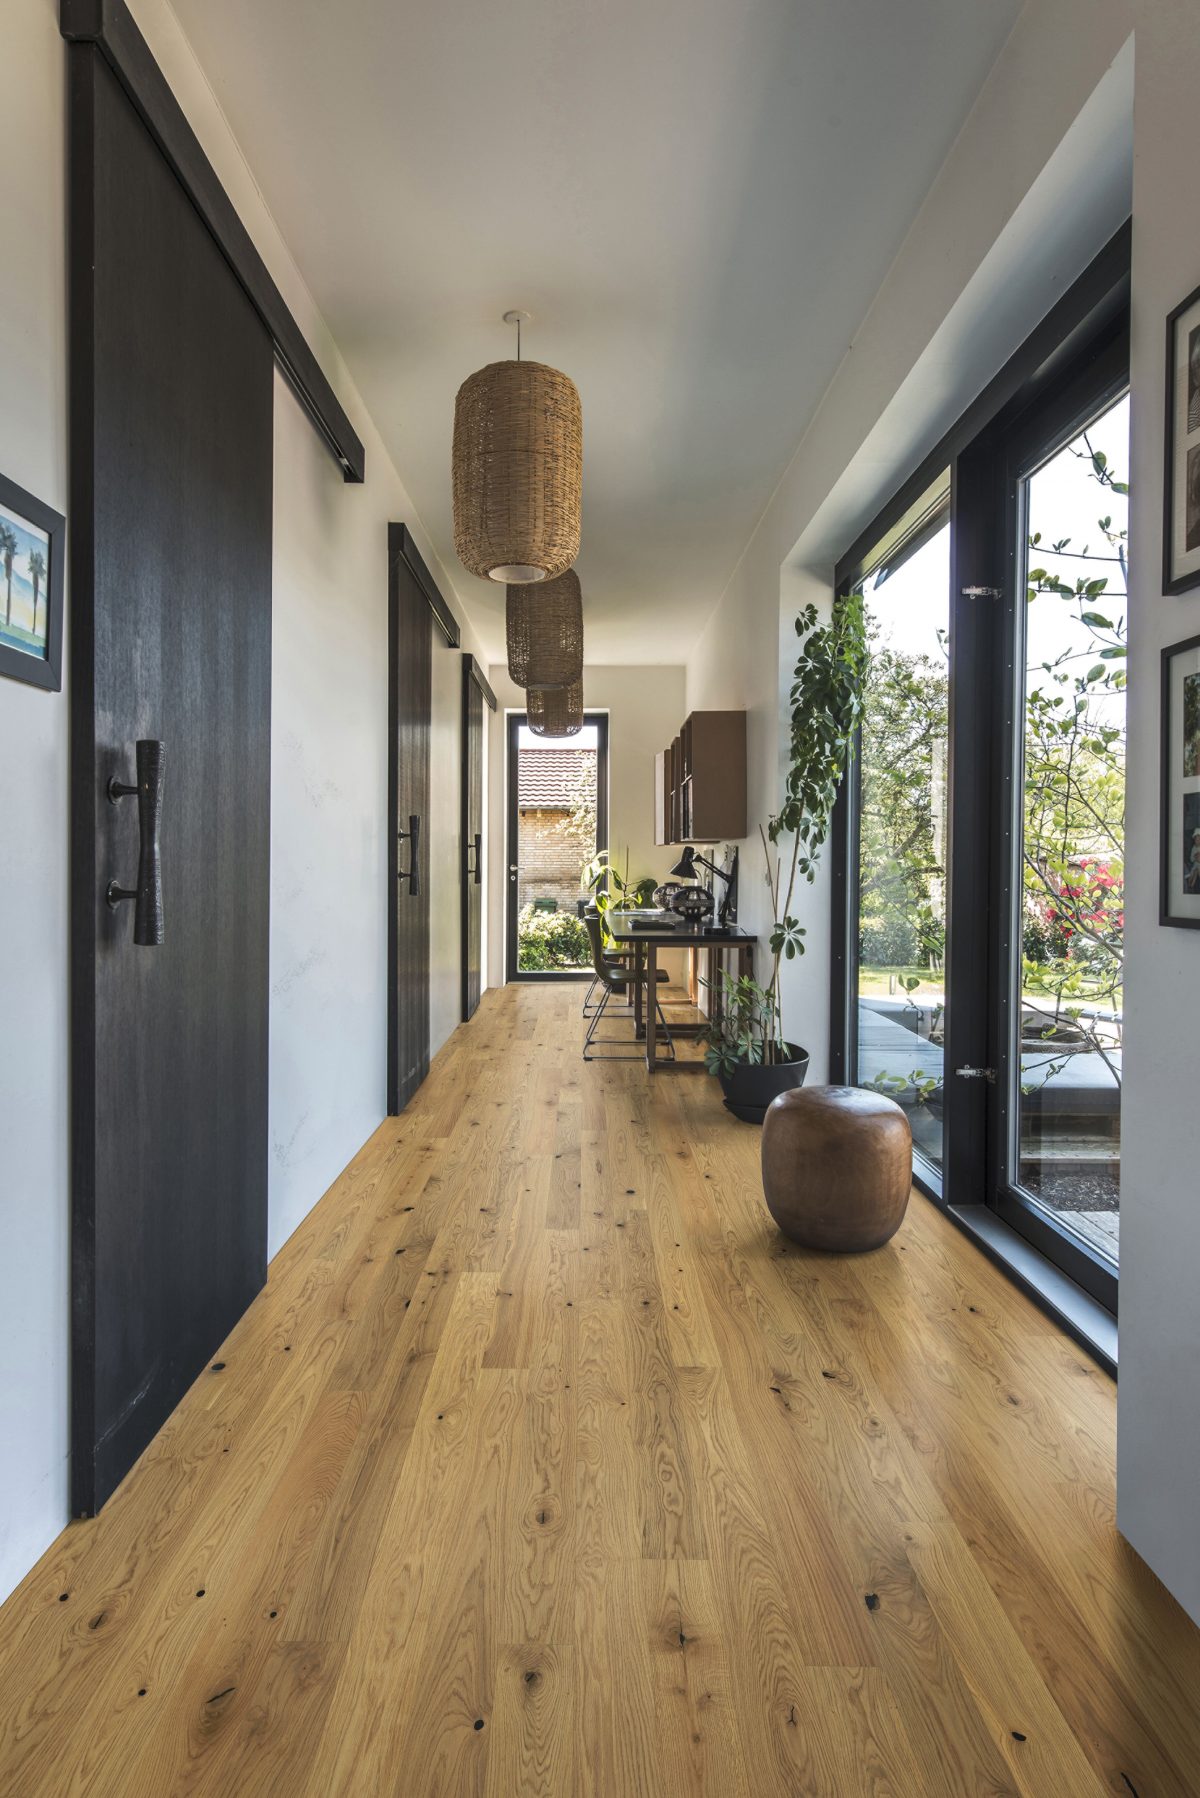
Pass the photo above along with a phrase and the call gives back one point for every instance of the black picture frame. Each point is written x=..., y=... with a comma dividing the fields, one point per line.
x=1174, y=793
x=1181, y=462
x=37, y=671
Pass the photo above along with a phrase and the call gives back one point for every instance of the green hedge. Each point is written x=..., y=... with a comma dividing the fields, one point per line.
x=548, y=940
x=887, y=942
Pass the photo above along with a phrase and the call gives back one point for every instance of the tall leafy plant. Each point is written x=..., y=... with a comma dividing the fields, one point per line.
x=825, y=701
x=612, y=889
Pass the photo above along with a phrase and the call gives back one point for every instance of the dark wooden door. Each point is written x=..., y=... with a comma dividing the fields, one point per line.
x=410, y=689
x=472, y=840
x=171, y=453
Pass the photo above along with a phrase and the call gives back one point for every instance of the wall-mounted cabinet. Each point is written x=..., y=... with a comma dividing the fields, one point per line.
x=700, y=781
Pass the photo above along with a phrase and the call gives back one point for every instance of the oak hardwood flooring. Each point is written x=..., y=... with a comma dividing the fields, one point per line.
x=544, y=1466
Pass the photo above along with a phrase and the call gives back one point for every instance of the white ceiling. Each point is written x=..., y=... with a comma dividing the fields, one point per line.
x=696, y=199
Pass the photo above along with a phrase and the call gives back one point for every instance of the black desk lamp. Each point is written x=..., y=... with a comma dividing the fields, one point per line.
x=685, y=869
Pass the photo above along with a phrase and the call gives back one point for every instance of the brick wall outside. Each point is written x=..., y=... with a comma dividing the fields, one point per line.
x=548, y=860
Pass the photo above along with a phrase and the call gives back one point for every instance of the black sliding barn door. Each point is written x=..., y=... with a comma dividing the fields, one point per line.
x=472, y=840
x=410, y=688
x=171, y=471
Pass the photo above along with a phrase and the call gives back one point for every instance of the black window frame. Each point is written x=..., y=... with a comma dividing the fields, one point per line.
x=1079, y=352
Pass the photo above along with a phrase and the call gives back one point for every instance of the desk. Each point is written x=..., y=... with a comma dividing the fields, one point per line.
x=644, y=945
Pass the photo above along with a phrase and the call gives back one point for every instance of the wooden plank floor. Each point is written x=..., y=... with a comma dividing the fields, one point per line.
x=543, y=1465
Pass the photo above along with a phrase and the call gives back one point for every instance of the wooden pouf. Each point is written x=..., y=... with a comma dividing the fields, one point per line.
x=837, y=1167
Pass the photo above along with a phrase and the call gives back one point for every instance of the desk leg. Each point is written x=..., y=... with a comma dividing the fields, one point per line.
x=639, y=954
x=651, y=1005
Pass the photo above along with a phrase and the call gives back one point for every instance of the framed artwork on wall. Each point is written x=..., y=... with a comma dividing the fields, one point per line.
x=1181, y=481
x=1179, y=853
x=32, y=547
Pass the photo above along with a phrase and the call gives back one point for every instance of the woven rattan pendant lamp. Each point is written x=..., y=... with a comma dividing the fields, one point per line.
x=544, y=627
x=555, y=711
x=517, y=469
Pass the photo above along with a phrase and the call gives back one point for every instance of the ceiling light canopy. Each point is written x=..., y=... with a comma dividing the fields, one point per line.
x=555, y=711
x=544, y=630
x=517, y=470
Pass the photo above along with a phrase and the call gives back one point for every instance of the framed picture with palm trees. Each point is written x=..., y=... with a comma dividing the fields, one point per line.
x=31, y=588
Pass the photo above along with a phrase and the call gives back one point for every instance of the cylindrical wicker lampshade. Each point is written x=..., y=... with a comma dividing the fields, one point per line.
x=555, y=711
x=517, y=472
x=545, y=632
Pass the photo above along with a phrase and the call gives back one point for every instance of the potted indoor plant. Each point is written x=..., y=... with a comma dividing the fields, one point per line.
x=746, y=1045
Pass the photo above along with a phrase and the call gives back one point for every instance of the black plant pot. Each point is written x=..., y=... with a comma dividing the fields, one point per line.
x=749, y=1089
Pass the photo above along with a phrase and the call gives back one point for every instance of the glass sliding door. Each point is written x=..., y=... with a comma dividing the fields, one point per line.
x=978, y=848
x=1061, y=1110
x=901, y=773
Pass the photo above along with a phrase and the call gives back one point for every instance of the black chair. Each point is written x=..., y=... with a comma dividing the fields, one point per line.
x=619, y=980
x=614, y=958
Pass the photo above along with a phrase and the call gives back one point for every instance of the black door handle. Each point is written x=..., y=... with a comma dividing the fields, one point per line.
x=413, y=872
x=147, y=894
x=475, y=843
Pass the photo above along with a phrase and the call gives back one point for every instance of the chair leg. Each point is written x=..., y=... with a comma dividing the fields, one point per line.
x=636, y=1053
x=587, y=998
x=594, y=1025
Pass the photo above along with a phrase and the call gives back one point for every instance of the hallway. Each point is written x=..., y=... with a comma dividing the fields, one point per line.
x=542, y=1466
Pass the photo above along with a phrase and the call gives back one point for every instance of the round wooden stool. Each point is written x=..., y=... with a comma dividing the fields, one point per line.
x=837, y=1167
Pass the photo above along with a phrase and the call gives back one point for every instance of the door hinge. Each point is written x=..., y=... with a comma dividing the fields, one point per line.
x=982, y=592
x=988, y=1074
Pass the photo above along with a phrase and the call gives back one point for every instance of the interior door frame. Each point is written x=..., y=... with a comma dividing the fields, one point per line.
x=514, y=722
x=404, y=554
x=476, y=691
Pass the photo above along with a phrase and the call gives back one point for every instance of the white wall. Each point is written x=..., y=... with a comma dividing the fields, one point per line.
x=329, y=779
x=33, y=824
x=645, y=708
x=329, y=844
x=1158, y=1481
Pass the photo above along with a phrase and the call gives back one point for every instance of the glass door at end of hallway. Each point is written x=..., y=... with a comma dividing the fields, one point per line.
x=557, y=825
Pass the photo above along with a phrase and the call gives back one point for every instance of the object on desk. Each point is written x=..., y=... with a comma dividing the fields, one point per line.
x=693, y=904
x=686, y=867
x=664, y=894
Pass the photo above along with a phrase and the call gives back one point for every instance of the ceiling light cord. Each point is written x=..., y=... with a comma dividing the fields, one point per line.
x=518, y=319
